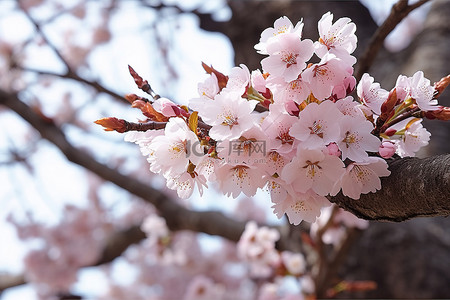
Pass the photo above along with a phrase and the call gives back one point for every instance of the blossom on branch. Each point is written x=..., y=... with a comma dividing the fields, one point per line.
x=293, y=129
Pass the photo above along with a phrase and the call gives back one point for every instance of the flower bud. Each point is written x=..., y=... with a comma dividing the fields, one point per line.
x=333, y=149
x=166, y=107
x=291, y=108
x=387, y=150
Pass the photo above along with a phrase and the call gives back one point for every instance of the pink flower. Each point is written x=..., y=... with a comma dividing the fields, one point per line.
x=240, y=178
x=364, y=177
x=333, y=149
x=316, y=125
x=342, y=219
x=300, y=207
x=166, y=107
x=278, y=190
x=350, y=220
x=257, y=247
x=412, y=137
x=203, y=288
x=184, y=183
x=371, y=94
x=343, y=89
x=229, y=114
x=258, y=81
x=417, y=87
x=287, y=56
x=178, y=146
x=338, y=38
x=294, y=262
x=207, y=90
x=238, y=79
x=276, y=126
x=274, y=163
x=281, y=26
x=155, y=228
x=283, y=92
x=326, y=74
x=251, y=148
x=357, y=139
x=349, y=107
x=387, y=149
x=312, y=169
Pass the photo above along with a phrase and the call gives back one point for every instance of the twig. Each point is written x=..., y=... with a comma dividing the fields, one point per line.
x=398, y=12
x=44, y=37
x=71, y=75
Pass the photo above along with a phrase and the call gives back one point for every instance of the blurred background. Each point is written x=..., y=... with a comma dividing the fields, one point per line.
x=67, y=60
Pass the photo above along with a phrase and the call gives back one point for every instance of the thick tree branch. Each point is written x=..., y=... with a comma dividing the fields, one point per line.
x=415, y=188
x=398, y=12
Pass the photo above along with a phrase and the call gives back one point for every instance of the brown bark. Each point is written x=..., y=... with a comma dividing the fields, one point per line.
x=414, y=186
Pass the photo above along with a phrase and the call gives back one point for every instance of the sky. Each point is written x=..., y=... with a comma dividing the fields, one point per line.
x=189, y=39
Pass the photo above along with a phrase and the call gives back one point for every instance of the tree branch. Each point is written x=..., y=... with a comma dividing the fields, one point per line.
x=415, y=188
x=177, y=216
x=398, y=12
x=74, y=76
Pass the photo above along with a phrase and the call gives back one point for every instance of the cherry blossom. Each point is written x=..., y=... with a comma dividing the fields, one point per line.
x=257, y=247
x=155, y=228
x=284, y=92
x=174, y=150
x=338, y=38
x=203, y=288
x=349, y=107
x=229, y=115
x=207, y=90
x=294, y=262
x=364, y=177
x=238, y=80
x=412, y=138
x=357, y=140
x=281, y=26
x=300, y=206
x=276, y=126
x=166, y=107
x=312, y=169
x=387, y=149
x=251, y=148
x=323, y=76
x=290, y=129
x=371, y=94
x=184, y=183
x=343, y=89
x=417, y=87
x=287, y=56
x=240, y=178
x=316, y=125
x=337, y=221
x=258, y=81
x=274, y=163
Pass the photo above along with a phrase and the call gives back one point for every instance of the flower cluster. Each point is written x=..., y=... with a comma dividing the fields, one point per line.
x=63, y=249
x=256, y=247
x=292, y=128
